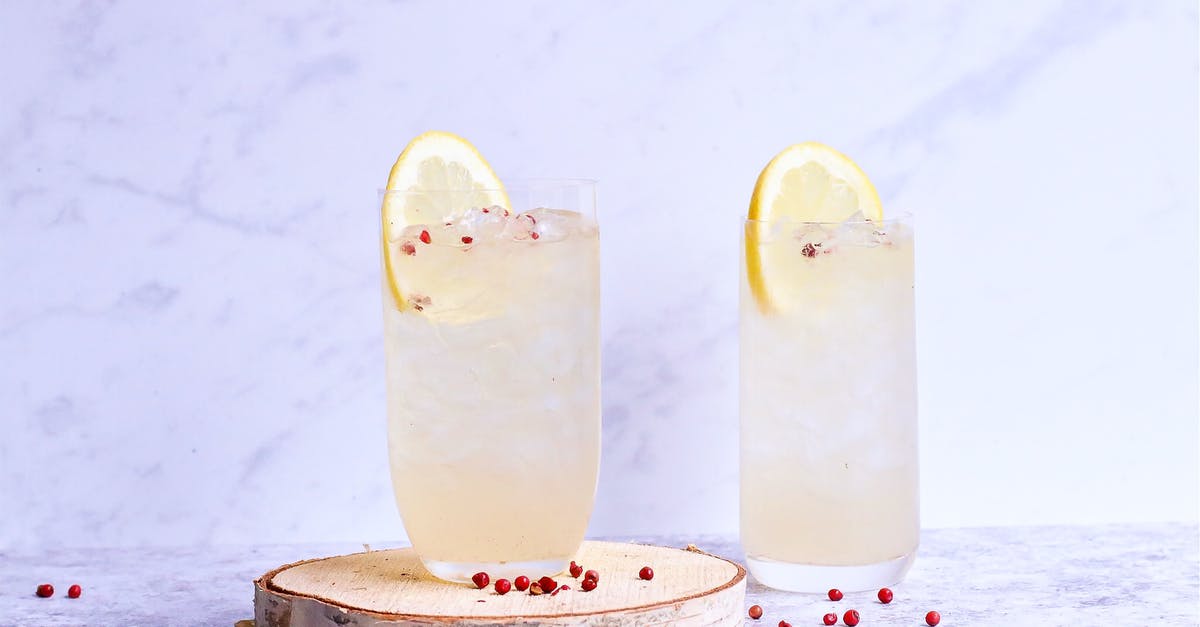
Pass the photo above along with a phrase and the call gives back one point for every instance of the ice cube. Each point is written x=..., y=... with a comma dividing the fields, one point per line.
x=812, y=233
x=552, y=224
x=482, y=222
x=861, y=233
x=520, y=226
x=857, y=216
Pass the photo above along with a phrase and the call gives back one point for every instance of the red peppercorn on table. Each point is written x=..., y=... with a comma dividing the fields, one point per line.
x=1079, y=575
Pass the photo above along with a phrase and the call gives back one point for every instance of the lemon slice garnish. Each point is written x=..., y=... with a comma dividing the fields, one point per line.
x=808, y=182
x=441, y=175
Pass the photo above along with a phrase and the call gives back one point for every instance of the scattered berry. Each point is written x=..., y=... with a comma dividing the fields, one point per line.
x=547, y=584
x=74, y=591
x=755, y=612
x=646, y=573
x=885, y=595
x=593, y=575
x=933, y=618
x=560, y=589
x=588, y=585
x=535, y=589
x=576, y=570
x=534, y=235
x=784, y=623
x=829, y=619
x=481, y=580
x=45, y=590
x=503, y=586
x=521, y=583
x=425, y=236
x=850, y=617
x=408, y=248
x=835, y=594
x=467, y=239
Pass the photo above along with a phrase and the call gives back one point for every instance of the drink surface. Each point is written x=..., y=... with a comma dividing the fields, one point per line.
x=828, y=397
x=493, y=385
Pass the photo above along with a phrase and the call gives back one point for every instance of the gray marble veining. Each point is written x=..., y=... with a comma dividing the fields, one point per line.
x=189, y=277
x=1102, y=575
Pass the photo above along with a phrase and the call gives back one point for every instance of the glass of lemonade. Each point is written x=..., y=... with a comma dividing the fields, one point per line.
x=829, y=487
x=491, y=326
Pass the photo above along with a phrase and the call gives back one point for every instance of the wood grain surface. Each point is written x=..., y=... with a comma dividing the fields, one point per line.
x=386, y=588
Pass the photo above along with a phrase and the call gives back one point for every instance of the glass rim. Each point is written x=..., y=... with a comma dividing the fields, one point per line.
x=523, y=183
x=904, y=216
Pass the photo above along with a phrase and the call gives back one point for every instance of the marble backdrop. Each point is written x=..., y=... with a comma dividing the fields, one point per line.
x=190, y=332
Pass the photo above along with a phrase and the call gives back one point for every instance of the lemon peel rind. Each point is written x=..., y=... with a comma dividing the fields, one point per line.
x=756, y=224
x=386, y=210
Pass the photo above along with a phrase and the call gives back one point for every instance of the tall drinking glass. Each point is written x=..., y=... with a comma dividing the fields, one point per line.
x=828, y=404
x=491, y=327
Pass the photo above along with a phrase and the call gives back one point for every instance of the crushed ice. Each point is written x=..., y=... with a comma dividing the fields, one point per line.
x=495, y=222
x=856, y=230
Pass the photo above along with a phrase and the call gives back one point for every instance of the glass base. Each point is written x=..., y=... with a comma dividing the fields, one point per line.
x=819, y=579
x=461, y=572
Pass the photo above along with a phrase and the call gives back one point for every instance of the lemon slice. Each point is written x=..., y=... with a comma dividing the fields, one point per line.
x=808, y=182
x=439, y=175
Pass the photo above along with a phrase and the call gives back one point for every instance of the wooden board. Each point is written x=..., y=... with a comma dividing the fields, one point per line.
x=389, y=588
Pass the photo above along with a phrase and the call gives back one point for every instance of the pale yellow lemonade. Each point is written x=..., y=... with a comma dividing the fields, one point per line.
x=828, y=388
x=492, y=334
x=493, y=390
x=828, y=401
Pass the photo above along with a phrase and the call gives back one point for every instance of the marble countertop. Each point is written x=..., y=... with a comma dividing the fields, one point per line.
x=1094, y=575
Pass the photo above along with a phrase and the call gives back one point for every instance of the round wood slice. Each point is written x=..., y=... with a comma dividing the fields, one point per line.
x=391, y=587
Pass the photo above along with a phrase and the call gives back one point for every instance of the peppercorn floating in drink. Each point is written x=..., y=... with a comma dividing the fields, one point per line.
x=491, y=329
x=828, y=379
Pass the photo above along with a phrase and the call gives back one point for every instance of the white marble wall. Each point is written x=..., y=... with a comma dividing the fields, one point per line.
x=190, y=336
